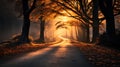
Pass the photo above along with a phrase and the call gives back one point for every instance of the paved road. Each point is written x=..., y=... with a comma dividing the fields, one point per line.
x=63, y=54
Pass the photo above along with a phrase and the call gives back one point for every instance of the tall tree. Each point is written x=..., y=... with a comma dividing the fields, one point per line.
x=107, y=9
x=43, y=11
x=86, y=11
x=33, y=10
x=95, y=24
x=26, y=15
x=83, y=12
x=42, y=29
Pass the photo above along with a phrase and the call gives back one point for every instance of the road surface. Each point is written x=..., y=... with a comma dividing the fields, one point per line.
x=63, y=54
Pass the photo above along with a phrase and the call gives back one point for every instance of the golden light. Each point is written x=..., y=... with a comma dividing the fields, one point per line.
x=89, y=0
x=63, y=18
x=66, y=30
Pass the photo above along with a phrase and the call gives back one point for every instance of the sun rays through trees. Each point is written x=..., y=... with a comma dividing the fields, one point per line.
x=80, y=20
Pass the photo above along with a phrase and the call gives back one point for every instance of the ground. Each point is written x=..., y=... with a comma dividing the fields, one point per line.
x=101, y=56
x=63, y=54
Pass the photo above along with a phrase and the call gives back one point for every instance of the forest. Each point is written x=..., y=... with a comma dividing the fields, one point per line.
x=93, y=26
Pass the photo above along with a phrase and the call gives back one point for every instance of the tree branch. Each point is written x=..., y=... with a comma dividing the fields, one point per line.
x=32, y=7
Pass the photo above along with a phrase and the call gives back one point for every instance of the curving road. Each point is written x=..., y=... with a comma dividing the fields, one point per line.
x=63, y=54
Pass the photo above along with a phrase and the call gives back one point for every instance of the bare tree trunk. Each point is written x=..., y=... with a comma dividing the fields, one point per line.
x=26, y=21
x=42, y=29
x=76, y=33
x=110, y=26
x=107, y=9
x=95, y=33
x=88, y=33
x=25, y=30
x=95, y=21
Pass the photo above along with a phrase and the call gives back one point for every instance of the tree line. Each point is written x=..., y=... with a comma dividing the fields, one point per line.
x=89, y=13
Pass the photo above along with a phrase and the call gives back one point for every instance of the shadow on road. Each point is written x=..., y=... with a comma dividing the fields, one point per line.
x=63, y=54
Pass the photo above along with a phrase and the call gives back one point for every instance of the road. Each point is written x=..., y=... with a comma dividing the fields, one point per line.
x=63, y=54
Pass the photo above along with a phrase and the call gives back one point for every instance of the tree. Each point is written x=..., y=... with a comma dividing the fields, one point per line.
x=26, y=25
x=42, y=28
x=107, y=9
x=41, y=14
x=32, y=12
x=83, y=12
x=95, y=24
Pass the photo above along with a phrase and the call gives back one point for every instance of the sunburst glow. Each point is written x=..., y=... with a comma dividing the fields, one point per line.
x=63, y=18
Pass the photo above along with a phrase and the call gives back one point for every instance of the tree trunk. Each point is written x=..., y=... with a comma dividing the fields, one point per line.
x=42, y=28
x=107, y=9
x=110, y=26
x=95, y=21
x=88, y=33
x=95, y=33
x=25, y=30
x=26, y=25
x=76, y=33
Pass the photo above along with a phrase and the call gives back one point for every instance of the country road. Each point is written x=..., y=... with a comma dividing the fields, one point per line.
x=63, y=54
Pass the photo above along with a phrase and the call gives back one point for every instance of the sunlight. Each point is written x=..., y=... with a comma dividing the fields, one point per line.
x=89, y=0
x=31, y=55
x=63, y=26
x=66, y=42
x=64, y=18
x=62, y=31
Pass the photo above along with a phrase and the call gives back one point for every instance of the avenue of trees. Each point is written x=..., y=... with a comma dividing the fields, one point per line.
x=89, y=13
x=33, y=11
